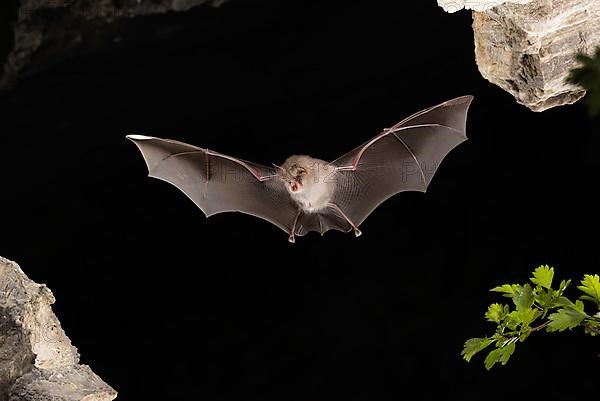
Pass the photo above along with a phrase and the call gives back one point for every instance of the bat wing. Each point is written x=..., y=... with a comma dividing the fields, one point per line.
x=402, y=158
x=218, y=183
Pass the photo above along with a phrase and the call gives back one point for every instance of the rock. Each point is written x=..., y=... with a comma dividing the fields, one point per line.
x=453, y=6
x=47, y=31
x=71, y=383
x=529, y=49
x=37, y=360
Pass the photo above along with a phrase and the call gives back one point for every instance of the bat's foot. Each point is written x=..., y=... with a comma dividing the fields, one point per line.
x=292, y=237
x=357, y=232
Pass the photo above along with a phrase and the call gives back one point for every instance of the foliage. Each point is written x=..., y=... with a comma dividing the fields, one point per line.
x=587, y=75
x=536, y=306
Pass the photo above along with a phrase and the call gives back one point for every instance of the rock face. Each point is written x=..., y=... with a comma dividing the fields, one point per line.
x=529, y=49
x=453, y=6
x=37, y=360
x=45, y=31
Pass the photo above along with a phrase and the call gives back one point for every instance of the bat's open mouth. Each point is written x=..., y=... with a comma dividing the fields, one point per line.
x=295, y=187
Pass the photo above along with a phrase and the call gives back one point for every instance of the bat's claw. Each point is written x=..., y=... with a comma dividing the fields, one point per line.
x=292, y=239
x=357, y=232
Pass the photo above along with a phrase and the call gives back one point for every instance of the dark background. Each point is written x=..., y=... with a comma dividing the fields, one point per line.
x=165, y=304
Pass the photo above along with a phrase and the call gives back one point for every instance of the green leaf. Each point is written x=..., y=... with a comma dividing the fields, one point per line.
x=495, y=313
x=523, y=298
x=508, y=289
x=532, y=301
x=592, y=327
x=506, y=352
x=563, y=301
x=590, y=285
x=544, y=298
x=528, y=315
x=473, y=346
x=492, y=358
x=563, y=286
x=567, y=318
x=525, y=333
x=514, y=319
x=543, y=276
x=587, y=75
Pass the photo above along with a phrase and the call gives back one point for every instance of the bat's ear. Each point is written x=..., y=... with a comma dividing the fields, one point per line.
x=278, y=168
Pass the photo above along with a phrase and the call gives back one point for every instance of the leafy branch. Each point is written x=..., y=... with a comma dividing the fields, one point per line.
x=587, y=75
x=535, y=307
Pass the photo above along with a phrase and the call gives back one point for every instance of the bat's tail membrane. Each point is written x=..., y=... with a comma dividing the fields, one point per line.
x=321, y=222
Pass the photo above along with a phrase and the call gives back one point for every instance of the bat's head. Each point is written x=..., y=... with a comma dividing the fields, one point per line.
x=295, y=178
x=293, y=175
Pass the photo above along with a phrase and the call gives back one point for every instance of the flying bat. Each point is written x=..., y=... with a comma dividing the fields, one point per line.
x=305, y=194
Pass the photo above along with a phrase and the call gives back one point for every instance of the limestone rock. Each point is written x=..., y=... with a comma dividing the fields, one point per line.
x=529, y=50
x=71, y=383
x=528, y=47
x=46, y=31
x=453, y=6
x=37, y=360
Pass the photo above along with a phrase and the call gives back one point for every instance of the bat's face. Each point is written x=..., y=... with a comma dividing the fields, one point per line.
x=294, y=177
x=309, y=181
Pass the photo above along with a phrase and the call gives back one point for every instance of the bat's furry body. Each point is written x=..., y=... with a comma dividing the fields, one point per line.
x=309, y=181
x=307, y=194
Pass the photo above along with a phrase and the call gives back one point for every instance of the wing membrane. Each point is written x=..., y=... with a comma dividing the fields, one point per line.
x=218, y=183
x=402, y=158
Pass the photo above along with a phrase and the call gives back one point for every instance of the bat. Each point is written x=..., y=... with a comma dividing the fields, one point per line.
x=305, y=194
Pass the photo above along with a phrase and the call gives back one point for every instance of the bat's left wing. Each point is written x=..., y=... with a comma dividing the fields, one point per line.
x=218, y=183
x=402, y=158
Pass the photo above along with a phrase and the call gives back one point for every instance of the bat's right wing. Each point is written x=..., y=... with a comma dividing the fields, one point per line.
x=218, y=183
x=402, y=158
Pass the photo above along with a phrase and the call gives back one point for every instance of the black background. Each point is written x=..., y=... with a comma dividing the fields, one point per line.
x=166, y=304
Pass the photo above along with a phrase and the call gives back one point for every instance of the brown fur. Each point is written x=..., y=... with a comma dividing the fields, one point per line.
x=310, y=181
